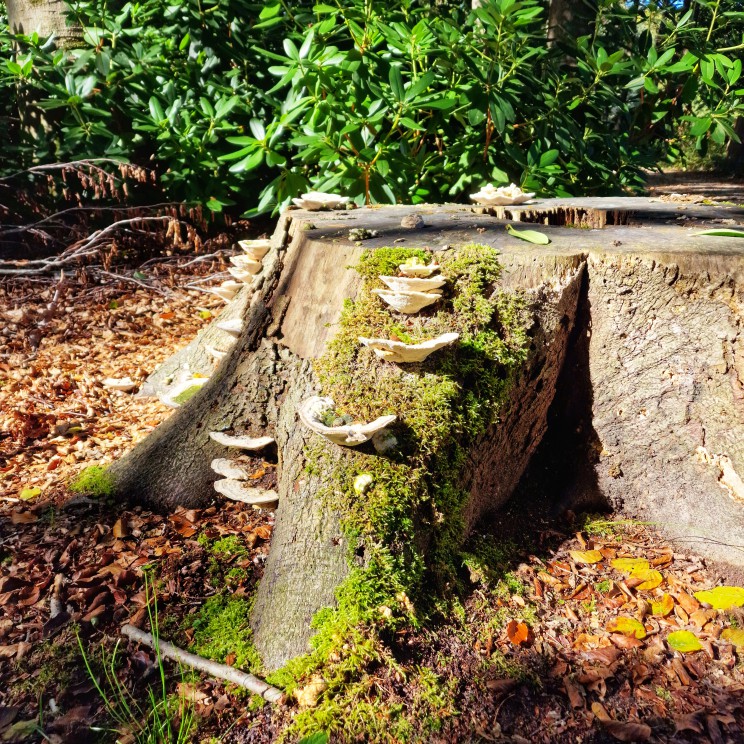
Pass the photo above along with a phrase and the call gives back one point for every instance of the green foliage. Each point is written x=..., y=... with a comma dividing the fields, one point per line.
x=166, y=718
x=93, y=481
x=385, y=102
x=221, y=628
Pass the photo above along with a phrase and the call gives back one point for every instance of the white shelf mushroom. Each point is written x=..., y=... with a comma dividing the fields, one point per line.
x=241, y=442
x=416, y=267
x=236, y=490
x=504, y=196
x=413, y=284
x=215, y=353
x=316, y=200
x=227, y=290
x=408, y=302
x=182, y=391
x=312, y=411
x=246, y=277
x=255, y=249
x=234, y=326
x=397, y=351
x=245, y=263
x=228, y=469
x=125, y=384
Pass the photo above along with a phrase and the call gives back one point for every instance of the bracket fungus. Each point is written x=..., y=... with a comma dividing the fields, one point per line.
x=245, y=263
x=182, y=391
x=314, y=201
x=408, y=302
x=234, y=326
x=124, y=384
x=413, y=284
x=255, y=249
x=504, y=196
x=241, y=442
x=228, y=468
x=242, y=275
x=227, y=290
x=397, y=351
x=314, y=410
x=215, y=353
x=417, y=268
x=236, y=490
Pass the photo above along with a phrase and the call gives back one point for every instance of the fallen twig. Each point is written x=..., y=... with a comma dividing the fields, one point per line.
x=221, y=671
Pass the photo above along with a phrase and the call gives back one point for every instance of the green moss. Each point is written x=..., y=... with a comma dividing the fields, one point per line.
x=187, y=394
x=221, y=628
x=93, y=481
x=409, y=524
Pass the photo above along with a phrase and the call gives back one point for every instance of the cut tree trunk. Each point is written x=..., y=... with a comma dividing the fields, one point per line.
x=665, y=362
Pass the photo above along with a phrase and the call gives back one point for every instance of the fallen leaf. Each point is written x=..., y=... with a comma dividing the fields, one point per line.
x=684, y=641
x=531, y=236
x=518, y=633
x=600, y=713
x=263, y=532
x=688, y=603
x=27, y=494
x=23, y=517
x=688, y=722
x=663, y=607
x=586, y=556
x=119, y=529
x=629, y=565
x=628, y=731
x=650, y=578
x=735, y=636
x=722, y=597
x=628, y=626
x=573, y=691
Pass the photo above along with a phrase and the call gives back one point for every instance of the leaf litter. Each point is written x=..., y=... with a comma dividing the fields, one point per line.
x=600, y=637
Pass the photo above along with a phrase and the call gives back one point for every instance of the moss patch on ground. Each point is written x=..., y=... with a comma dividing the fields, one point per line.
x=93, y=481
x=407, y=526
x=221, y=630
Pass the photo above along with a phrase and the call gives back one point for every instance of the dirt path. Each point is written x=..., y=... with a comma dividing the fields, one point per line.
x=703, y=184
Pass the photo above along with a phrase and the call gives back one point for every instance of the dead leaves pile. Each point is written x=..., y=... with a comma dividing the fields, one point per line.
x=638, y=639
x=56, y=417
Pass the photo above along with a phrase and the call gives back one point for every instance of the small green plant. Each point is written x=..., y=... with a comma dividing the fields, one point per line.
x=167, y=719
x=93, y=481
x=603, y=586
x=663, y=693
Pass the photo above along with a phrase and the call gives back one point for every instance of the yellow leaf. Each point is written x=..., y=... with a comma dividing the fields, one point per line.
x=722, y=597
x=628, y=565
x=205, y=314
x=29, y=493
x=735, y=636
x=663, y=607
x=684, y=641
x=586, y=556
x=628, y=626
x=650, y=578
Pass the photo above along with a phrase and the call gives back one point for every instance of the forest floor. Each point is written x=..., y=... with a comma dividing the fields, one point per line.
x=553, y=640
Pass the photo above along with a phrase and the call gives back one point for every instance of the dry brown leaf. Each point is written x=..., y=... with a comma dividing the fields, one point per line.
x=518, y=633
x=627, y=731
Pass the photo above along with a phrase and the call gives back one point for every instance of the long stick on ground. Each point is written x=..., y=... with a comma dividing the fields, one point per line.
x=221, y=671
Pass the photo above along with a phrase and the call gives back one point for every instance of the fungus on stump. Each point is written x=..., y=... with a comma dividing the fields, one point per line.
x=663, y=357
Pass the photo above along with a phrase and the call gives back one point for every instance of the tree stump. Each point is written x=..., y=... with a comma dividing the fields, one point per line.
x=661, y=344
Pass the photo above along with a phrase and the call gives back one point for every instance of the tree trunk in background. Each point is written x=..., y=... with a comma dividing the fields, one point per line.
x=735, y=150
x=569, y=19
x=46, y=17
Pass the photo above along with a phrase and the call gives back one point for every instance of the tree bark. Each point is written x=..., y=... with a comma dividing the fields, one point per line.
x=45, y=17
x=569, y=19
x=665, y=363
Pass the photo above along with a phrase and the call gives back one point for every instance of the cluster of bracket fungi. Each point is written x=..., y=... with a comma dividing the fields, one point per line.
x=234, y=476
x=415, y=288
